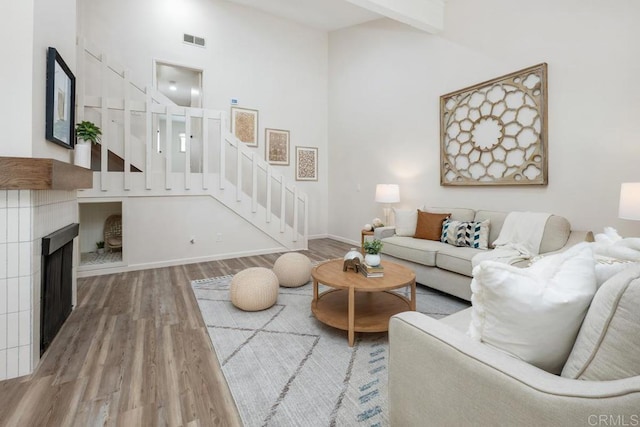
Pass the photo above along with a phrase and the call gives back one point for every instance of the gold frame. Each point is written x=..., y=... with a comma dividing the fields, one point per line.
x=249, y=114
x=521, y=164
x=272, y=156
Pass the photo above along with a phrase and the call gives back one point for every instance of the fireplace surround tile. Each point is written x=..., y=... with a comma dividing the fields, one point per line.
x=3, y=331
x=24, y=360
x=13, y=198
x=3, y=297
x=25, y=293
x=13, y=261
x=13, y=330
x=26, y=225
x=25, y=217
x=13, y=232
x=13, y=295
x=24, y=333
x=25, y=259
x=3, y=260
x=12, y=362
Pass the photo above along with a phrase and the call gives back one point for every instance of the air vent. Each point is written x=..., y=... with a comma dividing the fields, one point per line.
x=194, y=40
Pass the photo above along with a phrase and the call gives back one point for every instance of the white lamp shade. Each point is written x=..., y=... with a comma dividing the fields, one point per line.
x=629, y=201
x=387, y=193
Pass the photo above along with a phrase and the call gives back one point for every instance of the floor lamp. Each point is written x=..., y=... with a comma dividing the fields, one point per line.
x=387, y=193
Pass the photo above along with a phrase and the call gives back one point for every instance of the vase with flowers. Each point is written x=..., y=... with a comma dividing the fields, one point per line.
x=372, y=249
x=87, y=134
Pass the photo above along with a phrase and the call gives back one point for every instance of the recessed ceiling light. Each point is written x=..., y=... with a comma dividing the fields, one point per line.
x=172, y=86
x=195, y=91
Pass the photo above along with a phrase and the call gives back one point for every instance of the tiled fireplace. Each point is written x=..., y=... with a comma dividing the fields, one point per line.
x=37, y=197
x=25, y=217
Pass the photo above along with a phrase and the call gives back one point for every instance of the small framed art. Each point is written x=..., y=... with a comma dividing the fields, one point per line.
x=306, y=164
x=277, y=146
x=61, y=101
x=244, y=125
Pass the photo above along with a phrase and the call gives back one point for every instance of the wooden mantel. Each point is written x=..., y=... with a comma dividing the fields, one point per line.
x=25, y=173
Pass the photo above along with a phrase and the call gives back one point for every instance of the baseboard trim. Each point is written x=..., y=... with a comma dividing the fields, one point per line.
x=344, y=240
x=318, y=236
x=91, y=272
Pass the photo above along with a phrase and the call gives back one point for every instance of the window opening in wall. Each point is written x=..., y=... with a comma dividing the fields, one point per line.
x=182, y=85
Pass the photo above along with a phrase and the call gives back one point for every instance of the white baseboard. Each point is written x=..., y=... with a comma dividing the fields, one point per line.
x=90, y=271
x=102, y=269
x=318, y=236
x=344, y=240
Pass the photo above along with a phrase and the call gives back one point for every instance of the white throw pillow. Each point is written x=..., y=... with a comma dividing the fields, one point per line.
x=607, y=267
x=534, y=313
x=406, y=220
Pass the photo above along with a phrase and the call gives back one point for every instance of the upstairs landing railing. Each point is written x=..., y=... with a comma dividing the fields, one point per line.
x=210, y=161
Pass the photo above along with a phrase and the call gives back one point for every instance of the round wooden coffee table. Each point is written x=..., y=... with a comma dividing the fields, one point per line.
x=358, y=303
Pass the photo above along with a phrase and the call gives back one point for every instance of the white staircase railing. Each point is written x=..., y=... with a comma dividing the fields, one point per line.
x=215, y=162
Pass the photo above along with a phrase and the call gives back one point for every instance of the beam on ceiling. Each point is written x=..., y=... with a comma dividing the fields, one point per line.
x=426, y=15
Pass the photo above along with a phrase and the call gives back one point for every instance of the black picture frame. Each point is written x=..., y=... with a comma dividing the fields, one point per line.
x=61, y=101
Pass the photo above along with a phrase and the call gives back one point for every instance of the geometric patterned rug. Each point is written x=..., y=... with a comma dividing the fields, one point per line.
x=285, y=368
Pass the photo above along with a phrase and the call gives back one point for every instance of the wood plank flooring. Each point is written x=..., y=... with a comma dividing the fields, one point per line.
x=135, y=352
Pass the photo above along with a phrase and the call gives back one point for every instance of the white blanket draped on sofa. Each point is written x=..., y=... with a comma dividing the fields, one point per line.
x=519, y=238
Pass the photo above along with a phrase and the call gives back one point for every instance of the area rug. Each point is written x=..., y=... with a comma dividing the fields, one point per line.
x=285, y=368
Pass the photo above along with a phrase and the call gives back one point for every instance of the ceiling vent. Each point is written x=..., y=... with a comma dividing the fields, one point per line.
x=194, y=40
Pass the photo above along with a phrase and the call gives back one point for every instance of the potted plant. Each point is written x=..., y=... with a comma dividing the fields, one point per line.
x=372, y=249
x=100, y=247
x=87, y=133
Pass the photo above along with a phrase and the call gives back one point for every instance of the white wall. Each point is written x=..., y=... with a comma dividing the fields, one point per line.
x=31, y=27
x=385, y=80
x=54, y=26
x=267, y=63
x=159, y=230
x=16, y=73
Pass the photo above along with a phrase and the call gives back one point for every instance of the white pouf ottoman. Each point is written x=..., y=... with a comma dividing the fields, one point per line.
x=293, y=269
x=254, y=289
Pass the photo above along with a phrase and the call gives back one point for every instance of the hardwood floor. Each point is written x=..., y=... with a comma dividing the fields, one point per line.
x=135, y=352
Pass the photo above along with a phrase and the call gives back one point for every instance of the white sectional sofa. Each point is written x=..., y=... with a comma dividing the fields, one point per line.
x=439, y=376
x=448, y=268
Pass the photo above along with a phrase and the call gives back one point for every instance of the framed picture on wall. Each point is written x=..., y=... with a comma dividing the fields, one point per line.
x=277, y=146
x=61, y=101
x=244, y=125
x=306, y=164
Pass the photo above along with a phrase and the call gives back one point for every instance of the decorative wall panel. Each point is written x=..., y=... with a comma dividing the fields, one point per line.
x=495, y=133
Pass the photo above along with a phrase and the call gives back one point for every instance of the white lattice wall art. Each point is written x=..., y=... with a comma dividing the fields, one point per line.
x=495, y=133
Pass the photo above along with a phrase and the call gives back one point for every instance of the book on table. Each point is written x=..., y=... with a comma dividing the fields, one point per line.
x=368, y=275
x=369, y=271
x=372, y=269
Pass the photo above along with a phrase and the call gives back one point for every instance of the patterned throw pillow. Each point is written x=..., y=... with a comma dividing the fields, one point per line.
x=474, y=234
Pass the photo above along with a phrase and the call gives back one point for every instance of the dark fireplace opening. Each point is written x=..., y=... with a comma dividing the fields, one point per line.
x=57, y=271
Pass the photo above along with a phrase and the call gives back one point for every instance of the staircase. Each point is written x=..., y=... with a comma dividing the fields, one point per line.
x=221, y=166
